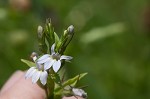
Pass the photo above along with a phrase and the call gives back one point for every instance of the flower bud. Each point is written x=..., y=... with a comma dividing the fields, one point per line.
x=66, y=38
x=34, y=55
x=71, y=29
x=40, y=31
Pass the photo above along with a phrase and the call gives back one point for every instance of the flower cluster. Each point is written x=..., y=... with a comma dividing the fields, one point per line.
x=44, y=63
x=45, y=67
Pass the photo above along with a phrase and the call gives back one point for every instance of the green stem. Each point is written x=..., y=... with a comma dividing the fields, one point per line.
x=50, y=89
x=50, y=86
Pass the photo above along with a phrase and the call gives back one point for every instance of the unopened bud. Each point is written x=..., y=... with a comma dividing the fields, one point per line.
x=40, y=31
x=71, y=29
x=34, y=55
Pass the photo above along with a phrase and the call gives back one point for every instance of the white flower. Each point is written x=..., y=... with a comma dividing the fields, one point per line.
x=37, y=72
x=53, y=60
x=79, y=92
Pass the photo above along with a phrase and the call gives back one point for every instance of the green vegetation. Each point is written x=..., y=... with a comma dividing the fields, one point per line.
x=111, y=43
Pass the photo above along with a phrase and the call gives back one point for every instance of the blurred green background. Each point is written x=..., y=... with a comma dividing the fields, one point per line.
x=112, y=42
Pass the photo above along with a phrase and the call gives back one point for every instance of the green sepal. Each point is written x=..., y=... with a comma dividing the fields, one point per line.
x=56, y=38
x=57, y=41
x=50, y=31
x=29, y=63
x=61, y=45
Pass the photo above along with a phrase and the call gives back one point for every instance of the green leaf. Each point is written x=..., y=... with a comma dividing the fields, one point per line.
x=29, y=63
x=72, y=81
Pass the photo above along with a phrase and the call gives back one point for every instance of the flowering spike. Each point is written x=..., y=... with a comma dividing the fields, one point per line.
x=46, y=65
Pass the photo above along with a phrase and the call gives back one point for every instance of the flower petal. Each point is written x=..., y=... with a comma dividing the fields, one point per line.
x=34, y=58
x=44, y=59
x=79, y=92
x=36, y=76
x=66, y=57
x=43, y=77
x=39, y=66
x=56, y=65
x=48, y=64
x=53, y=49
x=30, y=72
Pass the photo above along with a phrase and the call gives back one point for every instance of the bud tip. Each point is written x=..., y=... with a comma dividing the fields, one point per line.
x=71, y=29
x=40, y=30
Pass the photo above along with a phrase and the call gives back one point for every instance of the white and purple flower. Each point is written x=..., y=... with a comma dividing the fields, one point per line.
x=53, y=60
x=37, y=73
x=44, y=63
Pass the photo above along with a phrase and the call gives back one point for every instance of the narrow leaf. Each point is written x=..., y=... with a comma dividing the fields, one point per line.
x=29, y=63
x=72, y=82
